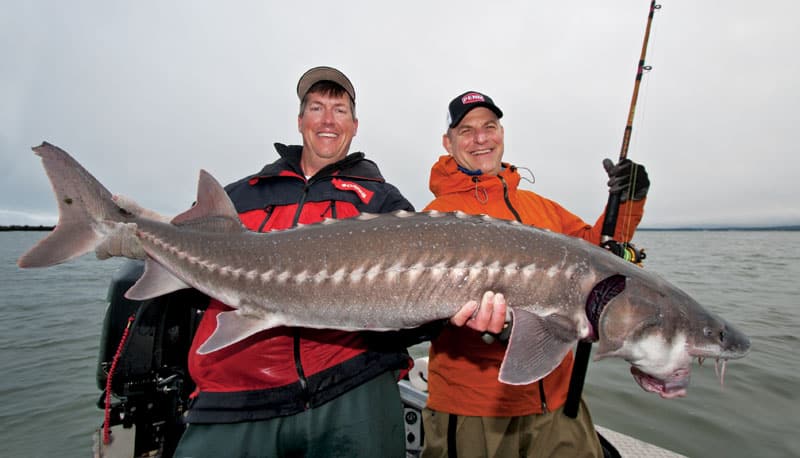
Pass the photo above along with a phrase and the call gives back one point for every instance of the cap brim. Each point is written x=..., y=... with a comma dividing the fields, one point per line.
x=318, y=74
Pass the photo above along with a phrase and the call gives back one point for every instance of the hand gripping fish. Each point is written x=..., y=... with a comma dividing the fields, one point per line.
x=409, y=269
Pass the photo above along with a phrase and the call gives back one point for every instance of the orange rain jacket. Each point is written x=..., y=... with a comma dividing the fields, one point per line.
x=462, y=368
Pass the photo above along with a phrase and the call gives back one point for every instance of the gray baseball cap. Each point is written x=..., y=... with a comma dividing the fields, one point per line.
x=318, y=74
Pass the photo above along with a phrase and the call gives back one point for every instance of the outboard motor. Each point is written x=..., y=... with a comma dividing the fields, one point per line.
x=142, y=368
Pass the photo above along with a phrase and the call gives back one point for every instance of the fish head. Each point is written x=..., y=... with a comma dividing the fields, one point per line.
x=660, y=330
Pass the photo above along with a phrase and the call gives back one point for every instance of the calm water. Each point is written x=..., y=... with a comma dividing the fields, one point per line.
x=50, y=323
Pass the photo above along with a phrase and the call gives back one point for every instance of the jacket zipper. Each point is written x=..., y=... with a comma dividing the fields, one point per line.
x=508, y=200
x=331, y=209
x=298, y=364
x=513, y=210
x=300, y=205
x=267, y=214
x=301, y=375
x=541, y=395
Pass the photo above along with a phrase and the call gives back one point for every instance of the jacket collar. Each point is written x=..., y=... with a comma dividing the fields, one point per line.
x=446, y=178
x=354, y=164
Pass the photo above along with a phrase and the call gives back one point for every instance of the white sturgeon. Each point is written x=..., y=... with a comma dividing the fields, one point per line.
x=400, y=270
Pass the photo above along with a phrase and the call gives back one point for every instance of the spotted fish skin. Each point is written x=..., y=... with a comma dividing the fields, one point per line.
x=395, y=271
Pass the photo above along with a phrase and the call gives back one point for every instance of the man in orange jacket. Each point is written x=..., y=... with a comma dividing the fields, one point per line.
x=469, y=412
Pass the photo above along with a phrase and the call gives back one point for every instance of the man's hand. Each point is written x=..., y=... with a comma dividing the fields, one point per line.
x=123, y=242
x=489, y=317
x=628, y=178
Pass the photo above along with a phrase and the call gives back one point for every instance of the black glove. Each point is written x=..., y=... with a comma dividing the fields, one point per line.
x=628, y=178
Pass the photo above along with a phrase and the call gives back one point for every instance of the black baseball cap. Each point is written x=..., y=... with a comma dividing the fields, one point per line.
x=465, y=102
x=318, y=74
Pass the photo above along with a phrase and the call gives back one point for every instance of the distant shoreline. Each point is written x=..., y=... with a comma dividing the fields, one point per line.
x=641, y=229
x=720, y=228
x=25, y=228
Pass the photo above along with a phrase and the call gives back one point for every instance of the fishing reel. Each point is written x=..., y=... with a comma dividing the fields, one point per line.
x=626, y=251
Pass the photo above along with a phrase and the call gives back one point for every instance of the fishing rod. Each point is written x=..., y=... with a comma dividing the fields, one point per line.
x=624, y=250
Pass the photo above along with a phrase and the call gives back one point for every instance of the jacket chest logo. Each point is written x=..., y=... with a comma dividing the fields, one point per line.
x=363, y=193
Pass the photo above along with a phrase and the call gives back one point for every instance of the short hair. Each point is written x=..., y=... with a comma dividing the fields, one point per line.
x=328, y=88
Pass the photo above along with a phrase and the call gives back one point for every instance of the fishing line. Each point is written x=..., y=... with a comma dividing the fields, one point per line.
x=584, y=348
x=641, y=121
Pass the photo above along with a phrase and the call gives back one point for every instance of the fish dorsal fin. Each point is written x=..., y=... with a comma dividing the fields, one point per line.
x=537, y=346
x=212, y=203
x=234, y=326
x=155, y=281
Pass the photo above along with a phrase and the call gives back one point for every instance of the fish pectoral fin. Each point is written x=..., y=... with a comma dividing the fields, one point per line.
x=536, y=347
x=155, y=281
x=234, y=327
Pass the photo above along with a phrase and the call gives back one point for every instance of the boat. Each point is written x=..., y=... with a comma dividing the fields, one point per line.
x=414, y=395
x=145, y=384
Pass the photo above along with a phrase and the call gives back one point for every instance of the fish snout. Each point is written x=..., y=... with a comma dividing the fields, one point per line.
x=733, y=343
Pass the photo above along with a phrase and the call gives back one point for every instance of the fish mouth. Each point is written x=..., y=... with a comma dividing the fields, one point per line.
x=672, y=387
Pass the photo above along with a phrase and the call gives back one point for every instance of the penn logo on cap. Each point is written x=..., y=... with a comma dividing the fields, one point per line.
x=472, y=97
x=461, y=105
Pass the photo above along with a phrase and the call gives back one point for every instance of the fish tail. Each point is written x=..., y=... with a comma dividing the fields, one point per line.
x=85, y=209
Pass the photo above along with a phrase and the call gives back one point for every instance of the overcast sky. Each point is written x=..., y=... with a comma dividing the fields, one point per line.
x=147, y=93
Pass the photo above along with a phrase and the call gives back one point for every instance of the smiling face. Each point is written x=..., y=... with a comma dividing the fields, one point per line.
x=328, y=125
x=476, y=143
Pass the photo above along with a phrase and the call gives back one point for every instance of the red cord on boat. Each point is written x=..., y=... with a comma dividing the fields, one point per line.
x=107, y=420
